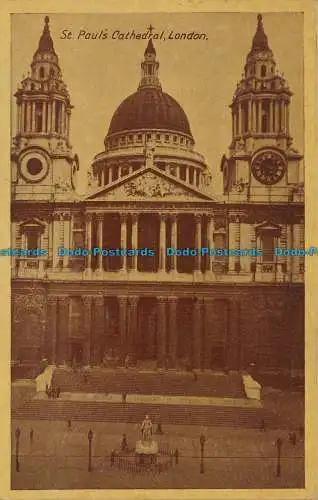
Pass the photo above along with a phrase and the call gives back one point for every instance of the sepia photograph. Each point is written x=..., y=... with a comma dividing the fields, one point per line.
x=158, y=251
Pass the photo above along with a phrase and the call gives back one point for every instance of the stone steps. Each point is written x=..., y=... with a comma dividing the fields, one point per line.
x=135, y=413
x=165, y=383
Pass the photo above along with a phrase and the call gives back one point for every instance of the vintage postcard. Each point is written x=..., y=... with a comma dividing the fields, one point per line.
x=158, y=250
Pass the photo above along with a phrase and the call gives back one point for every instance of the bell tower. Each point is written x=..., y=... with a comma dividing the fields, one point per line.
x=43, y=167
x=262, y=165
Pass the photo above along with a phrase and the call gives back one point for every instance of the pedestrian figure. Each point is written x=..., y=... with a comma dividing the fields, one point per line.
x=31, y=435
x=69, y=425
x=126, y=361
x=195, y=376
x=85, y=378
x=292, y=438
x=159, y=429
x=262, y=426
x=124, y=445
x=58, y=391
x=124, y=395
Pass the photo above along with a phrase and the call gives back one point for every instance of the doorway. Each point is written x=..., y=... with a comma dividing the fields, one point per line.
x=77, y=352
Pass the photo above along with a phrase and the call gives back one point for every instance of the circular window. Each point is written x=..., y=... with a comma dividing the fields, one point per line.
x=34, y=166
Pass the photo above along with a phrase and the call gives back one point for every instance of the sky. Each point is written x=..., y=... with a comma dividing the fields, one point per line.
x=200, y=74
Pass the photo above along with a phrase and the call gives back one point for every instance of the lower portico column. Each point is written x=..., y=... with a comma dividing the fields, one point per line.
x=174, y=241
x=100, y=220
x=210, y=238
x=134, y=239
x=87, y=302
x=132, y=325
x=123, y=240
x=98, y=329
x=197, y=332
x=172, y=301
x=52, y=327
x=232, y=241
x=63, y=329
x=161, y=331
x=89, y=241
x=123, y=300
x=198, y=242
x=162, y=243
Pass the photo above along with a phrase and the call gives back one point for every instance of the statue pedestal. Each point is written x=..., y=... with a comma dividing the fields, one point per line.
x=146, y=447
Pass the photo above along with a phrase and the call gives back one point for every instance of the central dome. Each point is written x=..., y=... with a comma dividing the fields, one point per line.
x=149, y=108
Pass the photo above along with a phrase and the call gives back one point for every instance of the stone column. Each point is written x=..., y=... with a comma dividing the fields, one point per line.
x=132, y=325
x=123, y=239
x=234, y=341
x=52, y=327
x=53, y=117
x=239, y=128
x=282, y=116
x=187, y=169
x=20, y=124
x=67, y=227
x=123, y=300
x=87, y=302
x=110, y=174
x=197, y=332
x=174, y=241
x=276, y=116
x=162, y=243
x=33, y=117
x=63, y=329
x=259, y=121
x=198, y=241
x=207, y=322
x=18, y=127
x=13, y=243
x=100, y=220
x=161, y=331
x=210, y=237
x=249, y=105
x=134, y=239
x=98, y=329
x=28, y=115
x=88, y=238
x=232, y=241
x=102, y=182
x=271, y=129
x=55, y=239
x=44, y=104
x=296, y=244
x=237, y=242
x=289, y=241
x=287, y=118
x=173, y=334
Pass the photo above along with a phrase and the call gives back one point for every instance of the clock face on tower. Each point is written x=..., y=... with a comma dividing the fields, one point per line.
x=268, y=168
x=34, y=166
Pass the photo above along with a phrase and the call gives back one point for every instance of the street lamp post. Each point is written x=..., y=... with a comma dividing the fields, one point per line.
x=90, y=437
x=17, y=443
x=202, y=441
x=279, y=443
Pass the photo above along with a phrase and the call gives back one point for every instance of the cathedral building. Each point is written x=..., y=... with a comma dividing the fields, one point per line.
x=151, y=190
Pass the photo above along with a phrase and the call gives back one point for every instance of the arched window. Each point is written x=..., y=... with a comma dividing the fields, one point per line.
x=41, y=72
x=263, y=70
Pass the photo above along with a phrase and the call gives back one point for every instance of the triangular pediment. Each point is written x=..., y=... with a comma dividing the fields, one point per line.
x=32, y=224
x=268, y=226
x=149, y=184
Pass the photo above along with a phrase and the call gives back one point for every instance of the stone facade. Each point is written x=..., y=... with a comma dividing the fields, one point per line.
x=150, y=189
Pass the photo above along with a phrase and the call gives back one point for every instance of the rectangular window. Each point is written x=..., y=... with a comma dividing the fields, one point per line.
x=268, y=245
x=33, y=240
x=38, y=117
x=57, y=116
